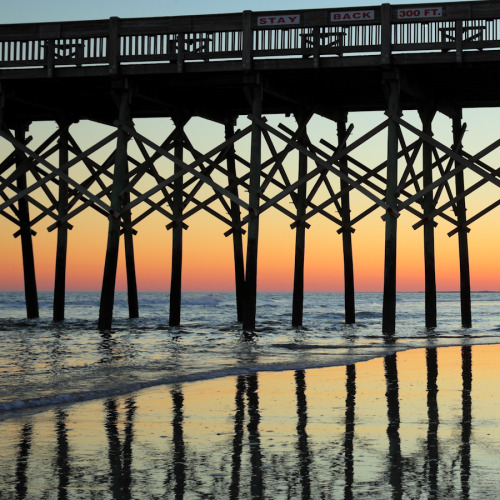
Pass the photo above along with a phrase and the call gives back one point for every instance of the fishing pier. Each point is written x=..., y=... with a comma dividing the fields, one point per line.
x=432, y=58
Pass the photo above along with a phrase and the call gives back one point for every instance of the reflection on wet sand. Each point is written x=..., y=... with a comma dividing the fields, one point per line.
x=350, y=403
x=22, y=460
x=345, y=432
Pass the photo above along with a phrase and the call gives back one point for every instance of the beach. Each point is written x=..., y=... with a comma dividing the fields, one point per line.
x=203, y=411
x=416, y=424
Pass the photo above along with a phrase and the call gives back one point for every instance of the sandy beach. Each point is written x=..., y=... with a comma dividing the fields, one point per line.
x=416, y=424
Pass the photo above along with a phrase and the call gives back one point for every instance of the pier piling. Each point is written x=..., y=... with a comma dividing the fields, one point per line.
x=253, y=222
x=177, y=207
x=300, y=243
x=427, y=115
x=349, y=300
x=30, y=289
x=391, y=223
x=119, y=179
x=62, y=229
x=239, y=265
x=463, y=242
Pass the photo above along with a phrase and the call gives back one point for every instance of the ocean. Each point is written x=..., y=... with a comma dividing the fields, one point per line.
x=202, y=411
x=43, y=363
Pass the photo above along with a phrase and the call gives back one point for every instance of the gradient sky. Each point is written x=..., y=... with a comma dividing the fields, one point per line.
x=207, y=253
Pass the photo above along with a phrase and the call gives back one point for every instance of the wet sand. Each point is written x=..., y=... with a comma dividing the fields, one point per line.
x=416, y=424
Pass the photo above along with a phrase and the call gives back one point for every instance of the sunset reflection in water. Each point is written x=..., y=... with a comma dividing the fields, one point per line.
x=421, y=423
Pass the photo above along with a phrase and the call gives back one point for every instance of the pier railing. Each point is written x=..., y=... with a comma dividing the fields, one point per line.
x=248, y=36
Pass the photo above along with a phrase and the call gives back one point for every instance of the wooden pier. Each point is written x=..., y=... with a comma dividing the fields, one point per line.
x=432, y=58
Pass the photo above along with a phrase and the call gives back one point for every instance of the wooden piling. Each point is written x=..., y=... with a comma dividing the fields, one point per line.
x=239, y=265
x=62, y=230
x=128, y=235
x=30, y=289
x=253, y=223
x=463, y=243
x=349, y=300
x=119, y=179
x=389, y=300
x=426, y=115
x=300, y=246
x=176, y=274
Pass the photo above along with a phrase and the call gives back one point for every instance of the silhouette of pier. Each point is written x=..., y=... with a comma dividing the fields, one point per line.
x=433, y=58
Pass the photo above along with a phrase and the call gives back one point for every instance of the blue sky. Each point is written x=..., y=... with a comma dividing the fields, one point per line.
x=21, y=11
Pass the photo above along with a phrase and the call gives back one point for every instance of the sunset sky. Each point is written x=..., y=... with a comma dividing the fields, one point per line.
x=208, y=261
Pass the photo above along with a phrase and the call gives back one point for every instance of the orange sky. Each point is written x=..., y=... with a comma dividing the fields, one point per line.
x=208, y=261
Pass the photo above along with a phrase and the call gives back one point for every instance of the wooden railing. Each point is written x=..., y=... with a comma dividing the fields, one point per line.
x=384, y=30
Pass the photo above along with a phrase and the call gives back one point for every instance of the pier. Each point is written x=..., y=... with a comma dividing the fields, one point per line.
x=436, y=58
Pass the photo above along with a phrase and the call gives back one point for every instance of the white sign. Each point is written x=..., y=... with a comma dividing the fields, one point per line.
x=419, y=13
x=353, y=15
x=278, y=20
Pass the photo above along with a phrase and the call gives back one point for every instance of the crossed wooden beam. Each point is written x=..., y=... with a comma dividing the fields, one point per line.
x=205, y=170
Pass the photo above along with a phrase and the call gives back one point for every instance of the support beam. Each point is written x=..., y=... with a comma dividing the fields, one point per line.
x=426, y=115
x=119, y=180
x=349, y=301
x=128, y=234
x=300, y=243
x=239, y=265
x=177, y=204
x=253, y=215
x=463, y=244
x=391, y=223
x=62, y=230
x=30, y=290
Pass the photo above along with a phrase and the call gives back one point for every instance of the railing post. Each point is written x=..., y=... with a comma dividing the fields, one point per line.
x=386, y=34
x=180, y=52
x=50, y=57
x=459, y=36
x=316, y=46
x=247, y=40
x=114, y=45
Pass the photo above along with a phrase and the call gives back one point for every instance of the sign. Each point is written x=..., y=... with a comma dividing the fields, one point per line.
x=420, y=12
x=278, y=20
x=353, y=15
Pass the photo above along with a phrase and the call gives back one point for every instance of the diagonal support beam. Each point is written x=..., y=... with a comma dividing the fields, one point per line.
x=54, y=171
x=185, y=168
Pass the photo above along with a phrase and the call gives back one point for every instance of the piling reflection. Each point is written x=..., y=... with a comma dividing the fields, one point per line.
x=119, y=455
x=257, y=483
x=350, y=403
x=465, y=448
x=433, y=416
x=392, y=395
x=303, y=445
x=22, y=460
x=179, y=451
x=239, y=419
x=346, y=432
x=62, y=459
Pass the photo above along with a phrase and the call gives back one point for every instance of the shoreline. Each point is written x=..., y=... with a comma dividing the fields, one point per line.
x=358, y=430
